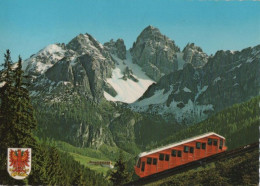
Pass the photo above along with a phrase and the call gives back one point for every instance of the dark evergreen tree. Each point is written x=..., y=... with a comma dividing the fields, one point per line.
x=16, y=115
x=25, y=122
x=120, y=176
x=54, y=170
x=7, y=117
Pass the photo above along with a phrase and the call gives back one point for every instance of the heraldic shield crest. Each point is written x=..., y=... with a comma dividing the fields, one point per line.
x=19, y=162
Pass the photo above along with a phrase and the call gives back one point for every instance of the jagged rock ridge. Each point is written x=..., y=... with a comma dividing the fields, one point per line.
x=155, y=53
x=194, y=55
x=192, y=94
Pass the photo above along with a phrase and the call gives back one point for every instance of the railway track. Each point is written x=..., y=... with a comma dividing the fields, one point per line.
x=195, y=164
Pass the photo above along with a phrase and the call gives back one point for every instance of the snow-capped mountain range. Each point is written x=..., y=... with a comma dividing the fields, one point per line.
x=86, y=62
x=154, y=76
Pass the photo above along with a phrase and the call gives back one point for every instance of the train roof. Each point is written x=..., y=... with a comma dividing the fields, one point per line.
x=179, y=143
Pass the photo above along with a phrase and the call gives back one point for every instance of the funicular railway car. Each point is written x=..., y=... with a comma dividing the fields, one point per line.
x=179, y=153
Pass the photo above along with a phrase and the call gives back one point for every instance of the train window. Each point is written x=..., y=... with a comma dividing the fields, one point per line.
x=191, y=149
x=174, y=153
x=209, y=141
x=161, y=157
x=149, y=161
x=179, y=153
x=143, y=166
x=154, y=161
x=198, y=145
x=186, y=149
x=139, y=162
x=203, y=146
x=215, y=142
x=167, y=157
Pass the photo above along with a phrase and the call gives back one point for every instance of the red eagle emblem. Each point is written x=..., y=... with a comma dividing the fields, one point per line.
x=19, y=163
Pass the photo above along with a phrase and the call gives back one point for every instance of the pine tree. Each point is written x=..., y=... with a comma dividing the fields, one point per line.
x=54, y=170
x=25, y=121
x=7, y=117
x=16, y=115
x=120, y=176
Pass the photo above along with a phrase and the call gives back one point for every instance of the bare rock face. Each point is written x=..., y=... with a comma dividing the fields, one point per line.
x=83, y=64
x=194, y=55
x=155, y=53
x=117, y=48
x=192, y=94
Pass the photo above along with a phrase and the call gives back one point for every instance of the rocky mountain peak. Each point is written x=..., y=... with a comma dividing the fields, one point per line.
x=150, y=31
x=84, y=43
x=194, y=55
x=38, y=63
x=81, y=66
x=117, y=48
x=155, y=53
x=193, y=47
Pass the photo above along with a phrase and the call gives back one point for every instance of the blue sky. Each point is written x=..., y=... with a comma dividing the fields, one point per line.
x=29, y=25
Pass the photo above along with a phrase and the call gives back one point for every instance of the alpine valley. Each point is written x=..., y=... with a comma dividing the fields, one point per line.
x=97, y=95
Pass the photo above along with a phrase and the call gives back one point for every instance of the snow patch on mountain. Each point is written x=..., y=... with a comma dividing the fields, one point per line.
x=54, y=50
x=127, y=90
x=190, y=112
x=158, y=98
x=180, y=60
x=185, y=89
x=217, y=79
x=44, y=59
x=200, y=91
x=109, y=97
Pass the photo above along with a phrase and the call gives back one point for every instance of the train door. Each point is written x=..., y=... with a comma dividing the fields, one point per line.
x=160, y=162
x=143, y=168
x=154, y=165
x=166, y=164
x=203, y=150
x=185, y=156
x=197, y=153
x=178, y=159
x=215, y=146
x=209, y=147
x=191, y=154
x=148, y=170
x=173, y=158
